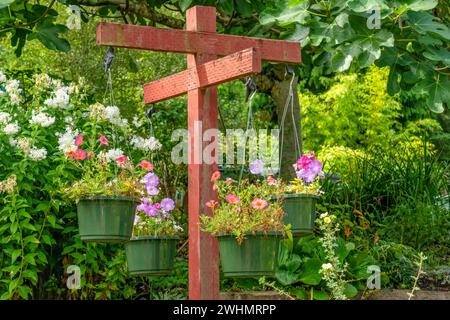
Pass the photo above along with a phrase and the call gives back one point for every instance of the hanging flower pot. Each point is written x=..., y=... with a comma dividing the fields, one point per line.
x=106, y=218
x=151, y=255
x=255, y=256
x=300, y=212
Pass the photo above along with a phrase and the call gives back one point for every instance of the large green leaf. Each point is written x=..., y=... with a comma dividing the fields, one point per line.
x=309, y=273
x=184, y=4
x=423, y=22
x=361, y=6
x=419, y=5
x=48, y=34
x=437, y=90
x=5, y=3
x=286, y=15
x=286, y=277
x=439, y=55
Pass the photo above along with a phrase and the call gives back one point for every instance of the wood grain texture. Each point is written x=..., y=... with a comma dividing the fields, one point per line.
x=213, y=73
x=194, y=41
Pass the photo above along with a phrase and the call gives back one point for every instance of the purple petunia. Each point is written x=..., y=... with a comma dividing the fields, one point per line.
x=167, y=204
x=151, y=190
x=256, y=166
x=151, y=179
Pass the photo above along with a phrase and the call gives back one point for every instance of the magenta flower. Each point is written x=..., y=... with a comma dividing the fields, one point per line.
x=167, y=204
x=233, y=199
x=316, y=166
x=259, y=204
x=256, y=166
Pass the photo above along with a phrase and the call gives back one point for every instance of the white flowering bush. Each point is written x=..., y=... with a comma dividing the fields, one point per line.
x=40, y=121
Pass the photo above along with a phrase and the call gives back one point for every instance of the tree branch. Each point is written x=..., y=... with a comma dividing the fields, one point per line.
x=140, y=9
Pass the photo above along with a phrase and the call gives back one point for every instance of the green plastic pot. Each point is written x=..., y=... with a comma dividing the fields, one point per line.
x=256, y=256
x=300, y=213
x=151, y=255
x=106, y=219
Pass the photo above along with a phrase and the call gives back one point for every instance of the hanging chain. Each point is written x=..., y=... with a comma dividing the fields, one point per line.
x=289, y=102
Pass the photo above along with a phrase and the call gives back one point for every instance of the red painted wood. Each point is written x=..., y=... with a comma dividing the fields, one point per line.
x=193, y=41
x=202, y=108
x=231, y=67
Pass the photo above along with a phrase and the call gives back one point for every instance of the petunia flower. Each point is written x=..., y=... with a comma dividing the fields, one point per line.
x=151, y=179
x=167, y=204
x=90, y=154
x=233, y=199
x=151, y=190
x=256, y=166
x=271, y=180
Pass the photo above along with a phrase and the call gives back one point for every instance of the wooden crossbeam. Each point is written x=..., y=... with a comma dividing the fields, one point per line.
x=228, y=68
x=175, y=40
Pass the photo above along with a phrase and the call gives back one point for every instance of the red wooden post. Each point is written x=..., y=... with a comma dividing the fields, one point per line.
x=202, y=108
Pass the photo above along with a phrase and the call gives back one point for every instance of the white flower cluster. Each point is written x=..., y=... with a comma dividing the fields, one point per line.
x=42, y=119
x=37, y=154
x=60, y=99
x=5, y=117
x=8, y=185
x=66, y=140
x=109, y=113
x=110, y=155
x=13, y=90
x=149, y=144
x=11, y=128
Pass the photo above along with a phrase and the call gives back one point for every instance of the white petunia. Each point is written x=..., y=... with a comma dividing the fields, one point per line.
x=37, y=154
x=42, y=119
x=11, y=129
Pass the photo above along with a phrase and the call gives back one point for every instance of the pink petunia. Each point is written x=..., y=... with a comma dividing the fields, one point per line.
x=215, y=176
x=212, y=204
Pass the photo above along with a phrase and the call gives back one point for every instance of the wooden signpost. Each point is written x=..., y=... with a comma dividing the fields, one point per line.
x=240, y=57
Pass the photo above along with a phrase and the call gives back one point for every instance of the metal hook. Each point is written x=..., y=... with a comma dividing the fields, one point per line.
x=108, y=58
x=250, y=86
x=150, y=111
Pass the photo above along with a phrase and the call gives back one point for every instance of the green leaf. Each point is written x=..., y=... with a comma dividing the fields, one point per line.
x=436, y=88
x=244, y=8
x=309, y=273
x=350, y=291
x=440, y=55
x=32, y=275
x=286, y=15
x=293, y=263
x=423, y=22
x=363, y=6
x=15, y=254
x=14, y=226
x=286, y=277
x=52, y=220
x=419, y=5
x=5, y=3
x=24, y=292
x=184, y=4
x=48, y=34
x=320, y=295
x=393, y=81
x=227, y=6
x=340, y=62
x=300, y=293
